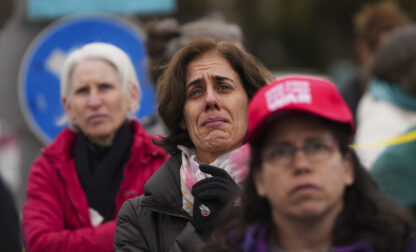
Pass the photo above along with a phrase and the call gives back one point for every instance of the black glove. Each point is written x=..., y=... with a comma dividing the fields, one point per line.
x=210, y=196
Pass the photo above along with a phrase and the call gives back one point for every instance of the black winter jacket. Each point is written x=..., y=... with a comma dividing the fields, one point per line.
x=156, y=221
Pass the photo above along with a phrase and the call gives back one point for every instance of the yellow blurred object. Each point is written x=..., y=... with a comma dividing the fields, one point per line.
x=405, y=138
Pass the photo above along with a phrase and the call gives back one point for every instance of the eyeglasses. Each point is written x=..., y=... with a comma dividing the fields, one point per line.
x=283, y=154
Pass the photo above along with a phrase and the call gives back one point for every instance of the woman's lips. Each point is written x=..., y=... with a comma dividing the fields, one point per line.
x=213, y=122
x=305, y=189
x=96, y=118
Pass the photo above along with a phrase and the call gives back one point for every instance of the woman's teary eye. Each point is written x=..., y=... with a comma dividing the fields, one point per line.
x=194, y=93
x=224, y=87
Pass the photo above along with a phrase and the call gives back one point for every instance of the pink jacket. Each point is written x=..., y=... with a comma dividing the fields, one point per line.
x=56, y=215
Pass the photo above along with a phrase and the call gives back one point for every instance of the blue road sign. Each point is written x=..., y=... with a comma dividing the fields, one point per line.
x=39, y=89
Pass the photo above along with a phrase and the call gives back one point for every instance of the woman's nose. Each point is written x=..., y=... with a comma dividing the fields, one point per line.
x=211, y=99
x=300, y=161
x=94, y=100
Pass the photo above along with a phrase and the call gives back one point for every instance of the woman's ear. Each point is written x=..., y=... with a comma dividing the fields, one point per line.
x=182, y=124
x=258, y=182
x=134, y=98
x=348, y=164
x=68, y=109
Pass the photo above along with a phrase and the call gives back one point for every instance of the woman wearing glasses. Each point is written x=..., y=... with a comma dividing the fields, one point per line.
x=306, y=190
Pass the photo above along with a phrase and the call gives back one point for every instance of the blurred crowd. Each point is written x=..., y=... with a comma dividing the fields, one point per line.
x=235, y=159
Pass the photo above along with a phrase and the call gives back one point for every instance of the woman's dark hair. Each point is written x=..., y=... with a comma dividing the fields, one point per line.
x=171, y=86
x=395, y=61
x=367, y=215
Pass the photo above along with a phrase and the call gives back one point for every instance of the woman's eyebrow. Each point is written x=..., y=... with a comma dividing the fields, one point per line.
x=216, y=77
x=194, y=82
x=220, y=78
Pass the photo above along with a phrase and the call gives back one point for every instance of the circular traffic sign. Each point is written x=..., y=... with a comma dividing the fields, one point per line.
x=39, y=89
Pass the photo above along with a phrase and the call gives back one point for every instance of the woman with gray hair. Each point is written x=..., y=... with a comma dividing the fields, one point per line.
x=79, y=182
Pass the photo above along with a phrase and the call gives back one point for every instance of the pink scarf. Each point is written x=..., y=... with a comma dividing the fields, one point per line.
x=234, y=162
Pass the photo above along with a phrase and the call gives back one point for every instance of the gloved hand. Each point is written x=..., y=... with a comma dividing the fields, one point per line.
x=210, y=196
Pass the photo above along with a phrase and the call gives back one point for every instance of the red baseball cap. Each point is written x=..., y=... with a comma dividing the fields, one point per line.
x=303, y=93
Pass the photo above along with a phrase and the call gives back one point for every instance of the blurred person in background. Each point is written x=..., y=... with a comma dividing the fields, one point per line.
x=166, y=36
x=203, y=94
x=79, y=182
x=387, y=111
x=306, y=190
x=10, y=237
x=9, y=158
x=395, y=172
x=372, y=24
x=388, y=107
